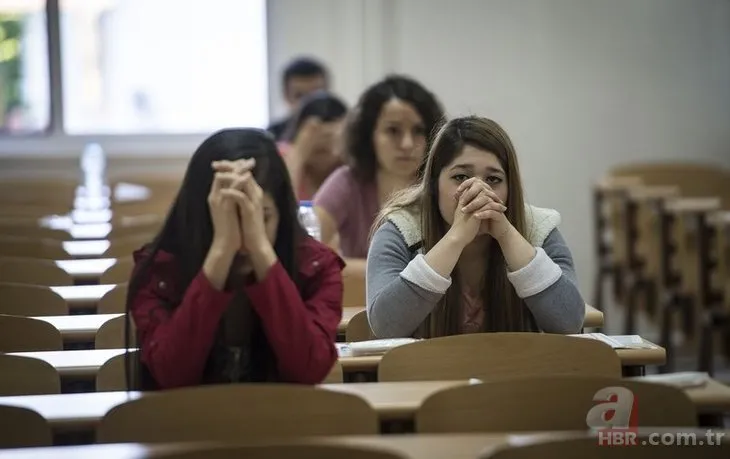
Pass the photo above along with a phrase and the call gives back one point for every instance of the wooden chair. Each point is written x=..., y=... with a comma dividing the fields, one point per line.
x=114, y=301
x=33, y=271
x=28, y=247
x=717, y=317
x=498, y=356
x=119, y=273
x=27, y=376
x=32, y=230
x=308, y=450
x=112, y=376
x=30, y=300
x=235, y=412
x=546, y=403
x=336, y=374
x=24, y=334
x=111, y=335
x=580, y=445
x=358, y=329
x=354, y=291
x=21, y=427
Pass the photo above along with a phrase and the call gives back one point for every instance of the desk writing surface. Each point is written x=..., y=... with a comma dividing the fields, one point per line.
x=79, y=326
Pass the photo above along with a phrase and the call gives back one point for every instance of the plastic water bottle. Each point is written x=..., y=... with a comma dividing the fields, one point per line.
x=93, y=167
x=309, y=220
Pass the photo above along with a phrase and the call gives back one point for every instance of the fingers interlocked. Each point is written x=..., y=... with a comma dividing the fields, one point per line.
x=477, y=196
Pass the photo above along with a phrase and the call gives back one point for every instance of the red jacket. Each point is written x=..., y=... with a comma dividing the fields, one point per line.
x=301, y=327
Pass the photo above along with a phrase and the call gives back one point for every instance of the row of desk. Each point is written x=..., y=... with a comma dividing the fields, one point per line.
x=392, y=401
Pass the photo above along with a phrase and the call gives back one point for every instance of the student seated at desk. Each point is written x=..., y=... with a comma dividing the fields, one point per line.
x=311, y=143
x=460, y=252
x=385, y=142
x=233, y=289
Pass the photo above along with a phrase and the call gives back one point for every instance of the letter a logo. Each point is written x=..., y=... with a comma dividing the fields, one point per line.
x=614, y=409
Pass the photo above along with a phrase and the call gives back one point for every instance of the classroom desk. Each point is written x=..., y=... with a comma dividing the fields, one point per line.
x=86, y=249
x=79, y=328
x=82, y=328
x=422, y=446
x=593, y=318
x=84, y=364
x=392, y=401
x=88, y=270
x=82, y=296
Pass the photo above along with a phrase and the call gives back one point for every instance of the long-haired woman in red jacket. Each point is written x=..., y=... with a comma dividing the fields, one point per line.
x=232, y=289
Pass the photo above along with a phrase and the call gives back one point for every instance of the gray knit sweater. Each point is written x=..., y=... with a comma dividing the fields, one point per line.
x=402, y=289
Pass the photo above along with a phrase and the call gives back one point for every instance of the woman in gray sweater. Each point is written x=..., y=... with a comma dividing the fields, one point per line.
x=461, y=252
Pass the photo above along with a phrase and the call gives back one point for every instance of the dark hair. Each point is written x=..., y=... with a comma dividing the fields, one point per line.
x=303, y=67
x=359, y=146
x=322, y=104
x=188, y=230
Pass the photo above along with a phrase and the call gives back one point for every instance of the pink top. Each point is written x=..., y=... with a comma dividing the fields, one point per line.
x=473, y=311
x=353, y=205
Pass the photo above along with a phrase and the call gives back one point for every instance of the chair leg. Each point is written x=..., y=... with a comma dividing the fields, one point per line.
x=706, y=351
x=667, y=312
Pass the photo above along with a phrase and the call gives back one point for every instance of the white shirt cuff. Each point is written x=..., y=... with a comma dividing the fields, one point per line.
x=539, y=274
x=420, y=273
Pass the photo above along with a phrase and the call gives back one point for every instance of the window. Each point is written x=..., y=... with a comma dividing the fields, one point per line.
x=24, y=88
x=133, y=66
x=163, y=66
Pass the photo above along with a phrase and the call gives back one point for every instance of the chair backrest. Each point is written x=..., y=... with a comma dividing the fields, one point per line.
x=34, y=271
x=358, y=329
x=112, y=375
x=111, y=335
x=27, y=376
x=18, y=246
x=309, y=450
x=114, y=301
x=33, y=230
x=580, y=445
x=234, y=412
x=353, y=295
x=548, y=403
x=336, y=374
x=30, y=300
x=24, y=334
x=496, y=356
x=21, y=427
x=119, y=273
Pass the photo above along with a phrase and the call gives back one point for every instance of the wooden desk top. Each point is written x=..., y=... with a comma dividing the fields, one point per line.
x=83, y=363
x=90, y=268
x=593, y=318
x=422, y=446
x=81, y=296
x=86, y=249
x=81, y=327
x=392, y=401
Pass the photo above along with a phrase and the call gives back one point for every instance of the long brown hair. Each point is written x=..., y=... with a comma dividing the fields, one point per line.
x=504, y=310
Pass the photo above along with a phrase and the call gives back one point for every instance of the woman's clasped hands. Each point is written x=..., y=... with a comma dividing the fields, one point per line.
x=236, y=211
x=479, y=211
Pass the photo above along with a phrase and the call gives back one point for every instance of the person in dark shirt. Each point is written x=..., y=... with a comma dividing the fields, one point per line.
x=302, y=76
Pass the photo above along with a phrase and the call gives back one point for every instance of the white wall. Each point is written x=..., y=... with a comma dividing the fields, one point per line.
x=581, y=85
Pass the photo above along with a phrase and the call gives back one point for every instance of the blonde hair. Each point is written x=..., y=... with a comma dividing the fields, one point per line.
x=504, y=310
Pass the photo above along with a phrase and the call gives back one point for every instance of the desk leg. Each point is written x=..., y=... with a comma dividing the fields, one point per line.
x=633, y=370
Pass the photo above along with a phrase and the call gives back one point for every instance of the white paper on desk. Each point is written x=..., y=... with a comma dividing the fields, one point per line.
x=618, y=341
x=377, y=346
x=682, y=380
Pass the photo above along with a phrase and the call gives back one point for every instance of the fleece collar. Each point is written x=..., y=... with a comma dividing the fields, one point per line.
x=539, y=223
